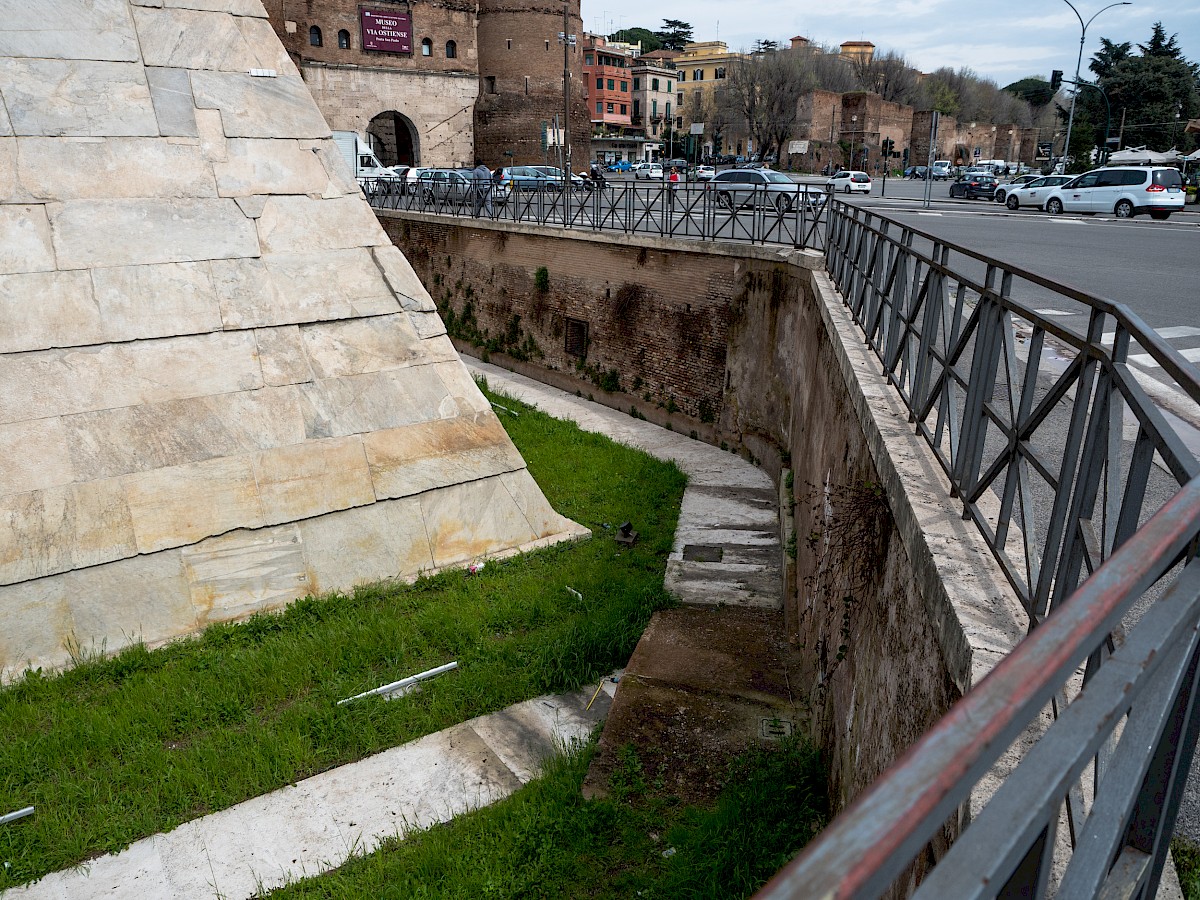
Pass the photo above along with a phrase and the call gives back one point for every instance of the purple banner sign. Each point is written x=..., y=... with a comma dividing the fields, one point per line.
x=382, y=30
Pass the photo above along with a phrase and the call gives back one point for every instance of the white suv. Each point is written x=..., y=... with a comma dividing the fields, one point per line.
x=1123, y=191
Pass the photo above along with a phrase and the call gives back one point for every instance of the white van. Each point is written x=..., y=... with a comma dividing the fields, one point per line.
x=941, y=170
x=361, y=158
x=1121, y=191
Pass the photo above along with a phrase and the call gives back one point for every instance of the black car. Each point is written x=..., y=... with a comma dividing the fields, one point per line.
x=977, y=187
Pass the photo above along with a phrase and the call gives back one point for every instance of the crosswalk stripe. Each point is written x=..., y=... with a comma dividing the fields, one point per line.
x=1146, y=361
x=1177, y=331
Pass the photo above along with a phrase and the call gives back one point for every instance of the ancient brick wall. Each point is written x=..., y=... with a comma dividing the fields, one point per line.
x=521, y=83
x=656, y=326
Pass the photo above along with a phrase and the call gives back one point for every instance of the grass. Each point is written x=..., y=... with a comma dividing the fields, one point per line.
x=547, y=841
x=1187, y=863
x=117, y=749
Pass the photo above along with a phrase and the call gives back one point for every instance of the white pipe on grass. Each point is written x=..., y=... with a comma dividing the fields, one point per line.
x=403, y=683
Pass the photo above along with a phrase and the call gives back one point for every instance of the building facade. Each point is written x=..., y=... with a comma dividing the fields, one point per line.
x=403, y=75
x=440, y=82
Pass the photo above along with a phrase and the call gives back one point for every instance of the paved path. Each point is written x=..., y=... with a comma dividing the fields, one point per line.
x=726, y=548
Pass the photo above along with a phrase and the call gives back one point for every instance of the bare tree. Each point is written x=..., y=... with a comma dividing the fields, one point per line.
x=887, y=74
x=761, y=90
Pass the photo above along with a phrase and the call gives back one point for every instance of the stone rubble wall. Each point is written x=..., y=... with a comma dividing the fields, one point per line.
x=221, y=387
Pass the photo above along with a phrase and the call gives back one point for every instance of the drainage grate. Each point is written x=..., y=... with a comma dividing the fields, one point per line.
x=774, y=729
x=702, y=553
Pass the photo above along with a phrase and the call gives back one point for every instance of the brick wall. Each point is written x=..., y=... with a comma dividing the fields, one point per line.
x=521, y=83
x=657, y=326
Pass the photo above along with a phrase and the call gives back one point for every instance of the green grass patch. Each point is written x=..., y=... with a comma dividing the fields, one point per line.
x=547, y=841
x=1187, y=863
x=117, y=749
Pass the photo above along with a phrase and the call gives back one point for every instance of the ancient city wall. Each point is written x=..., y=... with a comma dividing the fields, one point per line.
x=740, y=346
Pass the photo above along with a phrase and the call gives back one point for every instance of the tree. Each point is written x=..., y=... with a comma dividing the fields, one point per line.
x=1108, y=57
x=675, y=35
x=1155, y=90
x=650, y=40
x=762, y=90
x=765, y=46
x=1033, y=90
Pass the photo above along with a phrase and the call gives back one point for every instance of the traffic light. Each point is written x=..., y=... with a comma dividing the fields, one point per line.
x=887, y=147
x=1056, y=79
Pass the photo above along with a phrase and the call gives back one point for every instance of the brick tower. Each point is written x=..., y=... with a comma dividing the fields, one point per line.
x=521, y=83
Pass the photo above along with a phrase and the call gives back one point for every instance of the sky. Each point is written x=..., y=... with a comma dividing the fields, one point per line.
x=1004, y=41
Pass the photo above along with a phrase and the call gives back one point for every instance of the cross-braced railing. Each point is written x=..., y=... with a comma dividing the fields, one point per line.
x=790, y=215
x=1077, y=466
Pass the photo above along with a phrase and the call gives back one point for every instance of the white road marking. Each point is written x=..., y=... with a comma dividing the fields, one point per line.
x=1146, y=361
x=939, y=215
x=1055, y=312
x=1176, y=331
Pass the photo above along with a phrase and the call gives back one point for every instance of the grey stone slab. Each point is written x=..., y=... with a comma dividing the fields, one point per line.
x=356, y=346
x=140, y=232
x=251, y=207
x=341, y=181
x=462, y=387
x=237, y=7
x=156, y=301
x=192, y=39
x=111, y=442
x=53, y=530
x=310, y=479
x=10, y=188
x=536, y=509
x=71, y=29
x=77, y=97
x=259, y=107
x=26, y=242
x=254, y=166
x=48, y=309
x=112, y=168
x=428, y=325
x=54, y=382
x=469, y=521
x=304, y=224
x=242, y=572
x=182, y=505
x=281, y=352
x=290, y=288
x=34, y=455
x=264, y=44
x=6, y=128
x=429, y=455
x=171, y=95
x=403, y=280
x=356, y=404
x=366, y=544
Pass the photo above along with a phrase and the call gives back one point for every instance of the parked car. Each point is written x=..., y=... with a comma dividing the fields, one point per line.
x=578, y=182
x=921, y=172
x=941, y=170
x=705, y=173
x=453, y=186
x=1123, y=191
x=1003, y=189
x=1034, y=193
x=974, y=187
x=747, y=187
x=528, y=178
x=849, y=181
x=620, y=166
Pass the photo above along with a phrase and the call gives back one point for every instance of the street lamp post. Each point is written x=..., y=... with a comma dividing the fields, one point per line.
x=854, y=122
x=1079, y=62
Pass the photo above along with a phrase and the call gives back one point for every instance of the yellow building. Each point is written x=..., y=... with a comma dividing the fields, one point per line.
x=702, y=66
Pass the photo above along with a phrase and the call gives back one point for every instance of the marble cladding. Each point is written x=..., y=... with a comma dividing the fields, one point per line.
x=221, y=386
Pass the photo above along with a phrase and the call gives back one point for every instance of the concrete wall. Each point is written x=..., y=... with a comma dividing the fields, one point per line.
x=896, y=599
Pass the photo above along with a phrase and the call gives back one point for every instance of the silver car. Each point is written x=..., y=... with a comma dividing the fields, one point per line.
x=1035, y=192
x=763, y=187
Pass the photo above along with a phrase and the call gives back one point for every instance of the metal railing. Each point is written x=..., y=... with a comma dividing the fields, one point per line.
x=1089, y=499
x=791, y=216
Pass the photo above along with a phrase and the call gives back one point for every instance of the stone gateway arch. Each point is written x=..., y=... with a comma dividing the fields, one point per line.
x=221, y=387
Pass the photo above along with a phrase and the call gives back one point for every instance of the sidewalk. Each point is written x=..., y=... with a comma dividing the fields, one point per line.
x=726, y=556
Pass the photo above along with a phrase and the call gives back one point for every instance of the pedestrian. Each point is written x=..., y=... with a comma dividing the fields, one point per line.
x=674, y=179
x=483, y=189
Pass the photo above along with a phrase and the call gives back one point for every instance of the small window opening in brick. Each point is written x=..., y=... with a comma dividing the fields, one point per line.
x=509, y=42
x=547, y=45
x=490, y=81
x=576, y=337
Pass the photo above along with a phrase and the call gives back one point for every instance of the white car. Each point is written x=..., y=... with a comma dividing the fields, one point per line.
x=705, y=173
x=849, y=181
x=1033, y=193
x=1122, y=191
x=649, y=170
